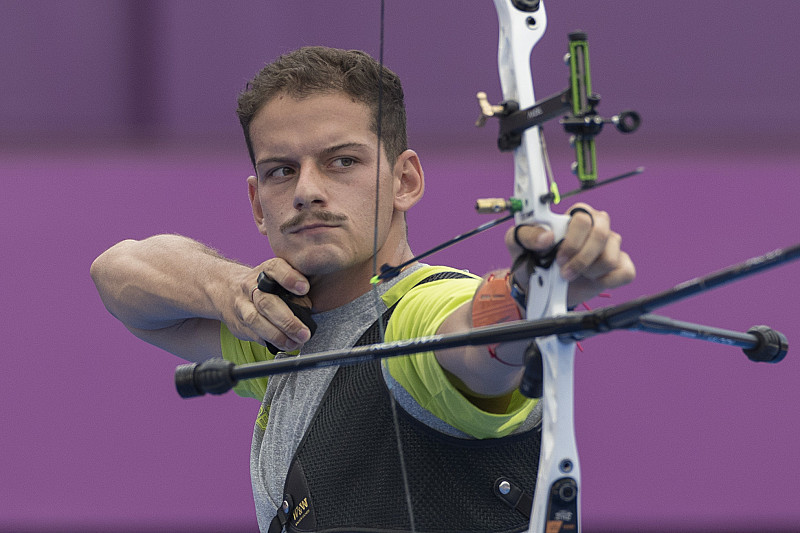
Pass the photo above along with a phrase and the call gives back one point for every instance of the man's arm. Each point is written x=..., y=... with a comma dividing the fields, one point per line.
x=173, y=292
x=590, y=258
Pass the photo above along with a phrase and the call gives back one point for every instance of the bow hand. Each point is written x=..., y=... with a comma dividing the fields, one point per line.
x=589, y=256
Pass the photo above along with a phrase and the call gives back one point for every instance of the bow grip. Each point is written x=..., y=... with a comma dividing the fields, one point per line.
x=547, y=290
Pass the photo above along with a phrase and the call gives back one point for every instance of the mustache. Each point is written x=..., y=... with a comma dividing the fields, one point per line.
x=306, y=217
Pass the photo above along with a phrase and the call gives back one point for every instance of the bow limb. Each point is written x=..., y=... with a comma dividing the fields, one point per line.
x=557, y=492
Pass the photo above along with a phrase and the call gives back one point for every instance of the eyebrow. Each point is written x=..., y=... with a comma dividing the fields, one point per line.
x=326, y=151
x=346, y=146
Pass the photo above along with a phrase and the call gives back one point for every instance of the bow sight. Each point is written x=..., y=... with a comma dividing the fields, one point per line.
x=576, y=104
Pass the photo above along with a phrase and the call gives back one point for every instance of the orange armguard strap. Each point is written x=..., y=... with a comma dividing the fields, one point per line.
x=494, y=303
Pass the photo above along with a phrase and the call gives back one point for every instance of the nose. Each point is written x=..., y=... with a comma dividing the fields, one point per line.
x=310, y=187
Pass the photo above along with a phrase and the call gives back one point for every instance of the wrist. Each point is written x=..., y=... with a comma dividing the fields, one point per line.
x=224, y=282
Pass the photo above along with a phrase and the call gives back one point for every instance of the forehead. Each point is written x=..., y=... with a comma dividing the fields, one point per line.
x=288, y=124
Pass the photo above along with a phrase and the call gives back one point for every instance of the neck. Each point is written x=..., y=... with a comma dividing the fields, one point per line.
x=329, y=291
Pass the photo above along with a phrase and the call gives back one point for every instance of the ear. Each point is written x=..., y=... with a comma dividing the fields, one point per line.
x=255, y=202
x=409, y=181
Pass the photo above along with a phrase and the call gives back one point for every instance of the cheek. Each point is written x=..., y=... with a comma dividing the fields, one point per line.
x=271, y=219
x=363, y=213
x=270, y=228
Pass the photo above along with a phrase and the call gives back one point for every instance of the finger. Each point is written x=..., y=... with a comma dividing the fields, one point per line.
x=585, y=289
x=287, y=277
x=251, y=325
x=624, y=273
x=583, y=244
x=522, y=238
x=276, y=322
x=580, y=227
x=608, y=261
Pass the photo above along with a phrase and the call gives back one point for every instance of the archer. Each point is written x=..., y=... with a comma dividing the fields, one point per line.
x=320, y=125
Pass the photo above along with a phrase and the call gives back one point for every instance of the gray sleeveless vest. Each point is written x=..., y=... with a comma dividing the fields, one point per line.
x=346, y=475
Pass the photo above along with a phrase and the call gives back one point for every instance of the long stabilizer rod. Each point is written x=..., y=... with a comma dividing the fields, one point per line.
x=760, y=343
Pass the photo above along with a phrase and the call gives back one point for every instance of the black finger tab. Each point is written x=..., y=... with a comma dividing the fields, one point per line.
x=270, y=286
x=267, y=284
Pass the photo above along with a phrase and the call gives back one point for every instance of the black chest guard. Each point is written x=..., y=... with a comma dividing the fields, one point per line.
x=346, y=475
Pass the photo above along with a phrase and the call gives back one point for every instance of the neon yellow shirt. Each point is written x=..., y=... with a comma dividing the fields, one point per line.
x=419, y=313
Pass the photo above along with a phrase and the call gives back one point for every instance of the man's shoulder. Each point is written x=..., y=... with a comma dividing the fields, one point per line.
x=423, y=277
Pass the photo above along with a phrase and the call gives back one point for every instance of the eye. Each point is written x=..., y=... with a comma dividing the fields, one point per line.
x=344, y=162
x=279, y=172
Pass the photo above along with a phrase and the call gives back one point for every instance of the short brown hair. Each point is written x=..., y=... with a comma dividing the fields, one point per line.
x=321, y=70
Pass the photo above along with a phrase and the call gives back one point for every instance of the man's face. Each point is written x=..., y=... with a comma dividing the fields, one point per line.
x=314, y=196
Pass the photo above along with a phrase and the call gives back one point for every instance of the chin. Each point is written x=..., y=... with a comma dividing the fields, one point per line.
x=323, y=263
x=316, y=264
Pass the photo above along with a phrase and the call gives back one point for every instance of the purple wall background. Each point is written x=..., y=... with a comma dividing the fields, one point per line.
x=116, y=121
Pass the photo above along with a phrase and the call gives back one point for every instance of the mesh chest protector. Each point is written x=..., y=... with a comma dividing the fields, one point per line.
x=346, y=475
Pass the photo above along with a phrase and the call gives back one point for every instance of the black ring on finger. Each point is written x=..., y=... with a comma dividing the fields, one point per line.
x=581, y=210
